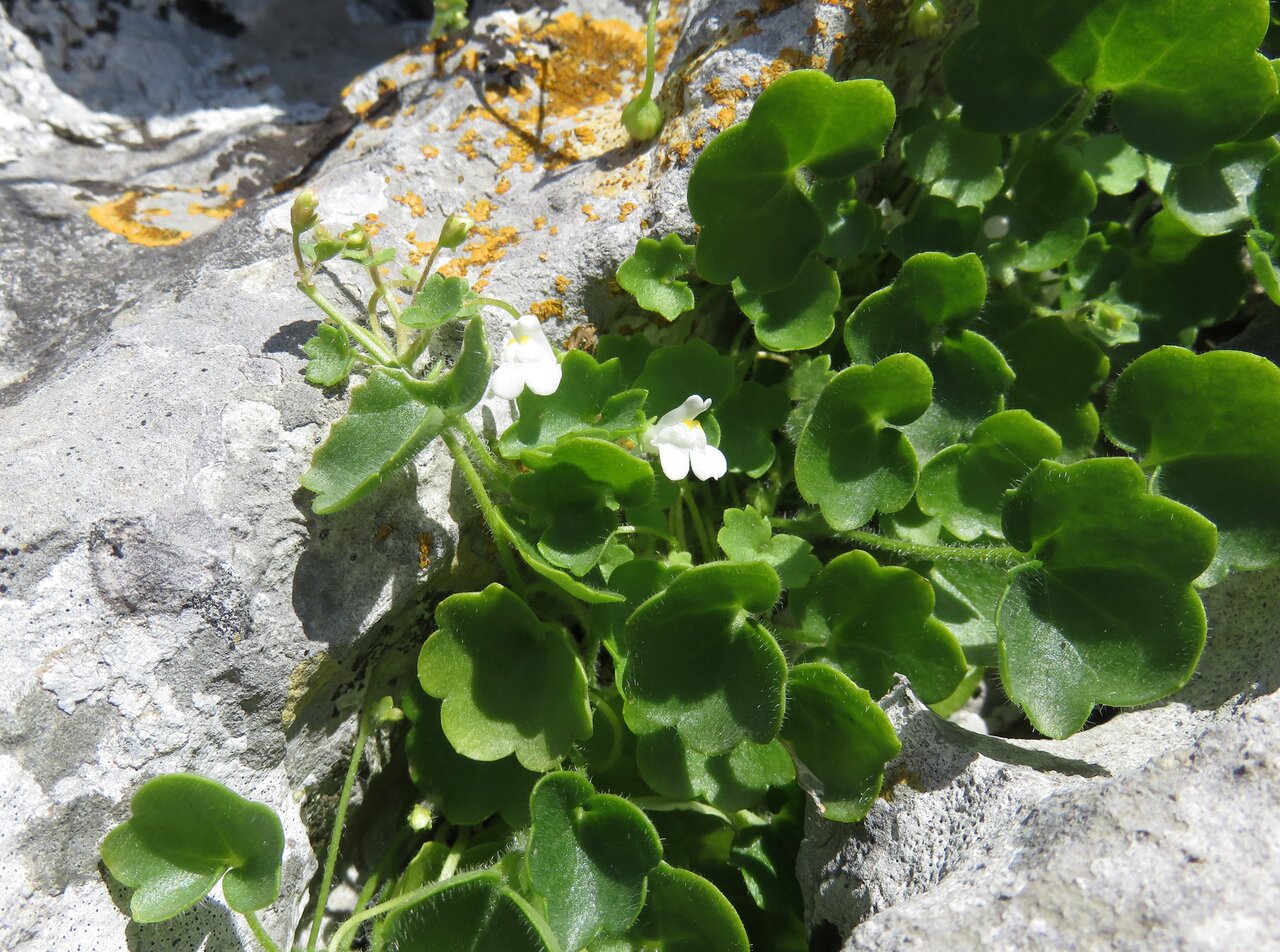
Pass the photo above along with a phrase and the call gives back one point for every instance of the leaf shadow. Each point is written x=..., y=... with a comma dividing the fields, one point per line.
x=207, y=925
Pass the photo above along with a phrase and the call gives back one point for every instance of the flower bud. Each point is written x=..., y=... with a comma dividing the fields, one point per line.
x=996, y=227
x=455, y=229
x=927, y=19
x=642, y=118
x=302, y=216
x=420, y=818
x=357, y=238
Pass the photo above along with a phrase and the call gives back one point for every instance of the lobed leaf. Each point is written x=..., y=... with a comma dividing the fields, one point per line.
x=330, y=356
x=748, y=537
x=696, y=661
x=880, y=623
x=683, y=913
x=472, y=912
x=1183, y=77
x=650, y=275
x=1115, y=166
x=1048, y=212
x=440, y=301
x=1213, y=196
x=955, y=162
x=936, y=224
x=589, y=856
x=185, y=833
x=1208, y=427
x=509, y=683
x=852, y=459
x=799, y=316
x=748, y=421
x=1106, y=614
x=840, y=737
x=671, y=374
x=736, y=780
x=757, y=224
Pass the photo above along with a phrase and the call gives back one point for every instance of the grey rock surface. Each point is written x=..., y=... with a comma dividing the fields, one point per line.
x=1158, y=829
x=168, y=601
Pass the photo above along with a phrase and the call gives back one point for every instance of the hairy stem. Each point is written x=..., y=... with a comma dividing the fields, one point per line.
x=402, y=332
x=991, y=554
x=494, y=302
x=304, y=273
x=650, y=51
x=699, y=527
x=343, y=937
x=339, y=820
x=260, y=933
x=363, y=337
x=426, y=272
x=480, y=448
x=497, y=525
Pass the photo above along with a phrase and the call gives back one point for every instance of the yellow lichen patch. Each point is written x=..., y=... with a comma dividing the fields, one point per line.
x=467, y=144
x=411, y=68
x=590, y=213
x=306, y=681
x=481, y=210
x=503, y=186
x=425, y=541
x=625, y=211
x=539, y=223
x=122, y=217
x=491, y=247
x=430, y=152
x=585, y=134
x=220, y=212
x=562, y=283
x=420, y=249
x=546, y=310
x=371, y=224
x=413, y=202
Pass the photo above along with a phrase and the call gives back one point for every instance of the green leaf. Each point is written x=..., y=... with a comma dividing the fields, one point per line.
x=964, y=485
x=737, y=780
x=636, y=582
x=330, y=356
x=1260, y=245
x=1264, y=203
x=472, y=912
x=440, y=301
x=757, y=223
x=465, y=384
x=466, y=791
x=590, y=401
x=1057, y=371
x=651, y=272
x=852, y=459
x=696, y=661
x=937, y=224
x=881, y=624
x=851, y=225
x=955, y=162
x=589, y=856
x=1208, y=426
x=525, y=540
x=1049, y=211
x=797, y=317
x=509, y=683
x=683, y=913
x=967, y=596
x=1106, y=614
x=748, y=421
x=840, y=737
x=628, y=479
x=747, y=537
x=184, y=834
x=1212, y=197
x=1183, y=76
x=388, y=424
x=671, y=374
x=1116, y=167
x=448, y=17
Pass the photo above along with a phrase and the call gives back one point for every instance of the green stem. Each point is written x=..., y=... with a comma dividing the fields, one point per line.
x=677, y=522
x=1083, y=110
x=990, y=554
x=478, y=446
x=304, y=273
x=497, y=525
x=426, y=272
x=699, y=527
x=260, y=933
x=494, y=302
x=366, y=340
x=450, y=865
x=666, y=537
x=343, y=937
x=375, y=323
x=402, y=332
x=339, y=819
x=410, y=356
x=650, y=52
x=663, y=805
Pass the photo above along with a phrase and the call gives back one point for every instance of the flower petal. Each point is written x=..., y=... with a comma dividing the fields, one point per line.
x=543, y=377
x=708, y=462
x=686, y=411
x=674, y=460
x=507, y=381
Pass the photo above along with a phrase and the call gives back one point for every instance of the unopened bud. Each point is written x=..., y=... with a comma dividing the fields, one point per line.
x=420, y=818
x=302, y=216
x=357, y=238
x=927, y=19
x=643, y=118
x=996, y=227
x=455, y=229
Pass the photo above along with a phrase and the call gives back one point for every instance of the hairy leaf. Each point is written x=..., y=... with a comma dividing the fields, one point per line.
x=650, y=275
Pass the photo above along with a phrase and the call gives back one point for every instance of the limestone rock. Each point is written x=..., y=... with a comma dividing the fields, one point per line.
x=167, y=598
x=1156, y=829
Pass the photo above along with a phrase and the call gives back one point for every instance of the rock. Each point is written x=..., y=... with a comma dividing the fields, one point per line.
x=169, y=601
x=1156, y=829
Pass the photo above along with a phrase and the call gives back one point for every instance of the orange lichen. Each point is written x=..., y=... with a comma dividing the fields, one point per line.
x=590, y=213
x=420, y=249
x=562, y=283
x=371, y=224
x=121, y=217
x=625, y=211
x=430, y=152
x=425, y=542
x=491, y=246
x=413, y=202
x=545, y=310
x=481, y=210
x=539, y=223
x=503, y=186
x=467, y=144
x=220, y=212
x=412, y=68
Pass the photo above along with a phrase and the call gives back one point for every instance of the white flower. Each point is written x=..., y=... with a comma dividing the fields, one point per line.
x=527, y=361
x=680, y=442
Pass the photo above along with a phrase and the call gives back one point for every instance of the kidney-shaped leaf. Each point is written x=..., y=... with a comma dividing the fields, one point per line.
x=757, y=224
x=955, y=162
x=330, y=356
x=696, y=661
x=184, y=834
x=737, y=780
x=1209, y=426
x=1183, y=76
x=1213, y=196
x=1107, y=613
x=881, y=624
x=852, y=460
x=840, y=737
x=748, y=537
x=798, y=316
x=683, y=913
x=588, y=858
x=510, y=683
x=651, y=274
